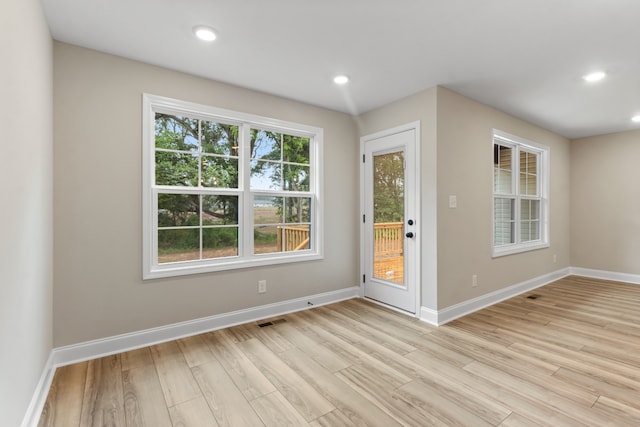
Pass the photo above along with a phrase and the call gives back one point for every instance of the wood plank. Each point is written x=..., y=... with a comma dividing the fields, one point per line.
x=384, y=314
x=103, y=400
x=517, y=420
x=276, y=411
x=244, y=374
x=178, y=384
x=548, y=397
x=384, y=396
x=367, y=331
x=352, y=404
x=228, y=405
x=498, y=393
x=192, y=413
x=383, y=375
x=195, y=350
x=136, y=358
x=144, y=402
x=399, y=328
x=481, y=347
x=329, y=329
x=447, y=385
x=332, y=419
x=269, y=337
x=617, y=410
x=599, y=385
x=428, y=400
x=356, y=356
x=64, y=402
x=580, y=361
x=243, y=332
x=293, y=387
x=319, y=353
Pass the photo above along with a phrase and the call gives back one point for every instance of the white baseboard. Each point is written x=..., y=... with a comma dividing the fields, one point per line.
x=606, y=275
x=32, y=417
x=120, y=343
x=440, y=317
x=429, y=315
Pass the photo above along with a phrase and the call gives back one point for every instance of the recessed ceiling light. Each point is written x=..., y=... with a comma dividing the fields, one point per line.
x=341, y=80
x=595, y=76
x=204, y=33
x=636, y=119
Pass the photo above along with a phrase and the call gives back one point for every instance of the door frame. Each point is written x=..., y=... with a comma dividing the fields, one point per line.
x=415, y=126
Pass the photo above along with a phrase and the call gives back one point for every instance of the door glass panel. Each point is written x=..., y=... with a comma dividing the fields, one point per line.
x=388, y=212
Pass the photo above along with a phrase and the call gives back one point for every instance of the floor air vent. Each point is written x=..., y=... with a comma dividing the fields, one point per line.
x=273, y=322
x=534, y=296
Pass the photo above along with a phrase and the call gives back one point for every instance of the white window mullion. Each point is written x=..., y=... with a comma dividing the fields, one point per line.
x=154, y=227
x=201, y=230
x=282, y=165
x=245, y=239
x=515, y=164
x=200, y=158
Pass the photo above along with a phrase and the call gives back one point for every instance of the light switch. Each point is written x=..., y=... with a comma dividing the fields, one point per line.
x=453, y=201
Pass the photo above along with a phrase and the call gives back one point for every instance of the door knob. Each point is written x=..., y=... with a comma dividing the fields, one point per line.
x=409, y=234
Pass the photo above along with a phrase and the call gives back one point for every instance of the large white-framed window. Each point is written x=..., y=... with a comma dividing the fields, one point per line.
x=520, y=194
x=225, y=189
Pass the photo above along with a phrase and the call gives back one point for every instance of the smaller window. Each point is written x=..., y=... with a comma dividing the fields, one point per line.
x=520, y=194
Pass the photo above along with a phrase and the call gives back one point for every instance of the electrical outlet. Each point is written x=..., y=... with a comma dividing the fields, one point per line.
x=262, y=286
x=474, y=280
x=555, y=258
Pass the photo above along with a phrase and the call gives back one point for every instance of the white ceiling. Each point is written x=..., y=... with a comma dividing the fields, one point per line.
x=524, y=57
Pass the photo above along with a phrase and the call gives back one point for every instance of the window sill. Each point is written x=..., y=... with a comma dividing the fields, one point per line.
x=187, y=268
x=516, y=249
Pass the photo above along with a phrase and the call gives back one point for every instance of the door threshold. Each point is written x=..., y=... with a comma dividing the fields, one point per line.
x=390, y=307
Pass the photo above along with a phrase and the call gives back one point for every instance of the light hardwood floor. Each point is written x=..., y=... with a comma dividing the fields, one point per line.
x=570, y=357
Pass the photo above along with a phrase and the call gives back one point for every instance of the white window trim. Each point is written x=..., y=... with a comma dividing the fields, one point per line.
x=151, y=269
x=544, y=173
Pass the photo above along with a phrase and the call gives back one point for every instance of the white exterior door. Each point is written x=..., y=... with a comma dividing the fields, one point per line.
x=390, y=228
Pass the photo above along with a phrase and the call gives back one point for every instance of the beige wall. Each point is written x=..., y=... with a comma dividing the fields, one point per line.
x=605, y=202
x=456, y=136
x=99, y=291
x=465, y=169
x=26, y=191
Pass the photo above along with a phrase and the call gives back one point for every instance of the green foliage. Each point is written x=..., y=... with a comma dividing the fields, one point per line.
x=388, y=187
x=220, y=237
x=264, y=235
x=283, y=159
x=187, y=239
x=197, y=153
x=178, y=210
x=197, y=147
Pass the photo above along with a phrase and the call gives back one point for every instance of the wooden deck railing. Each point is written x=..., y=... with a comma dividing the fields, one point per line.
x=294, y=237
x=387, y=239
